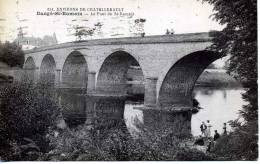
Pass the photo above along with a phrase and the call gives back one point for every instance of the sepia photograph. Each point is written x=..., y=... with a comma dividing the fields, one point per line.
x=128, y=80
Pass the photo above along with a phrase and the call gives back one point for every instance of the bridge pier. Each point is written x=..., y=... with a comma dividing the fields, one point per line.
x=90, y=111
x=36, y=75
x=58, y=77
x=28, y=74
x=91, y=86
x=104, y=111
x=150, y=91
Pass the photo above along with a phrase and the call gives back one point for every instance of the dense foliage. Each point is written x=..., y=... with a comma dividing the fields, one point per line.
x=11, y=54
x=239, y=144
x=26, y=113
x=84, y=144
x=239, y=40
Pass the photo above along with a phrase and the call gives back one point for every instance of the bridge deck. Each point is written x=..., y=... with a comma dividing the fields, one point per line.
x=176, y=38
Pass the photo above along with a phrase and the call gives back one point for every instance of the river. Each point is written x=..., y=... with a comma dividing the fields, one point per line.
x=219, y=106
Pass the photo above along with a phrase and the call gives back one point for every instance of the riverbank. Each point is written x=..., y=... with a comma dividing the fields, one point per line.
x=216, y=78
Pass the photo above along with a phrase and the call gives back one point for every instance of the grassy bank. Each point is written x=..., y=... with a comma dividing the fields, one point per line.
x=216, y=78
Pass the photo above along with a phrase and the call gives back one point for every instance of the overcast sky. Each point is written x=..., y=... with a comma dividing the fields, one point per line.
x=184, y=16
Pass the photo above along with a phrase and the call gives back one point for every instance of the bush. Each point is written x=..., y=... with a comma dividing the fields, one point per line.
x=26, y=113
x=188, y=154
x=116, y=144
x=78, y=143
x=11, y=54
x=241, y=144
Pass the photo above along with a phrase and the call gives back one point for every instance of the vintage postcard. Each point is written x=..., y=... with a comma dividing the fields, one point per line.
x=128, y=80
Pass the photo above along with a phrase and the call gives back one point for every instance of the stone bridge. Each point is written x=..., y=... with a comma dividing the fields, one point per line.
x=166, y=67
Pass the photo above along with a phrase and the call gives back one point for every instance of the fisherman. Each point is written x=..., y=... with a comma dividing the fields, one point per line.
x=203, y=128
x=208, y=132
x=216, y=135
x=225, y=129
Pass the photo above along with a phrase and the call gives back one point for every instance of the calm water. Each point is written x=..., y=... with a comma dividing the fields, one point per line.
x=219, y=106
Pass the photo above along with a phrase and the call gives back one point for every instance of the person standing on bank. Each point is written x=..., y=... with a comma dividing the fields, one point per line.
x=225, y=129
x=203, y=128
x=216, y=135
x=208, y=132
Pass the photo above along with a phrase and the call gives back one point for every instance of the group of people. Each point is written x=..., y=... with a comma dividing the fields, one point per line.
x=206, y=130
x=206, y=134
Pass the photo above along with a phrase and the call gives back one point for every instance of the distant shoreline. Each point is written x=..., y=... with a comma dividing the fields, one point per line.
x=217, y=78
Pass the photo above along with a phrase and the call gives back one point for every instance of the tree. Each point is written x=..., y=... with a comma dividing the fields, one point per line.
x=83, y=31
x=138, y=27
x=239, y=40
x=26, y=114
x=11, y=54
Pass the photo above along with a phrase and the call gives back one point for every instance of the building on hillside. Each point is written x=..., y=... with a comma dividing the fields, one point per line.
x=28, y=43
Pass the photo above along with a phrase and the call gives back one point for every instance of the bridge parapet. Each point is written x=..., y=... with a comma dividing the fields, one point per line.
x=177, y=38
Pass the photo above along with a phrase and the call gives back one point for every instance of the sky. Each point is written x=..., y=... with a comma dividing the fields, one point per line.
x=183, y=16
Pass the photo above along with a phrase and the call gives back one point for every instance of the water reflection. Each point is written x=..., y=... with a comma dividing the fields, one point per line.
x=97, y=111
x=220, y=106
x=132, y=114
x=73, y=106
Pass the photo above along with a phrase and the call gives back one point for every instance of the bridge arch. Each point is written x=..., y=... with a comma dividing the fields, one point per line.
x=29, y=67
x=74, y=71
x=47, y=70
x=116, y=73
x=178, y=84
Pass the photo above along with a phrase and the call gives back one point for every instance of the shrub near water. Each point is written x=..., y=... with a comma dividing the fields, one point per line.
x=26, y=112
x=240, y=144
x=116, y=144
